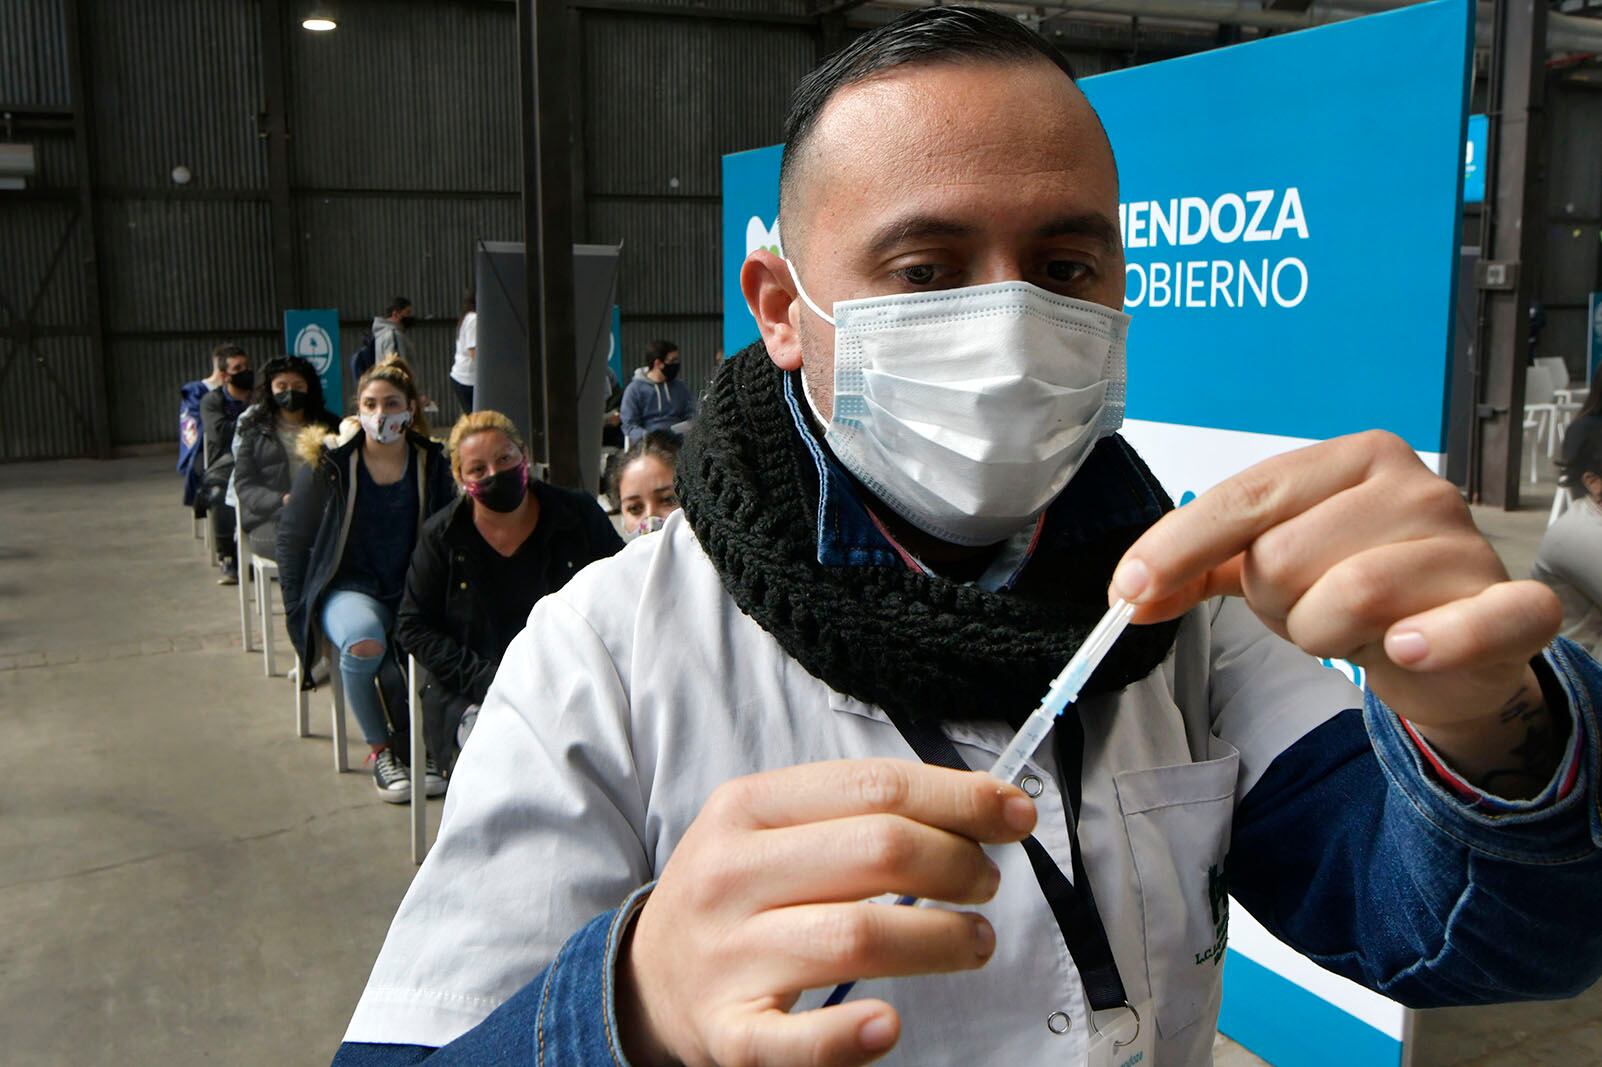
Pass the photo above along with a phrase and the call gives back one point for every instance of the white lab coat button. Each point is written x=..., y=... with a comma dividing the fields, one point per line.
x=1057, y=1022
x=1032, y=785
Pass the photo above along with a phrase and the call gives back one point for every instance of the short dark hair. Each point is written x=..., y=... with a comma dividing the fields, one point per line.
x=396, y=306
x=655, y=350
x=930, y=34
x=223, y=353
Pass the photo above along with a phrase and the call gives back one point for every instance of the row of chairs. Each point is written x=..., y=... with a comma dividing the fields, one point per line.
x=257, y=574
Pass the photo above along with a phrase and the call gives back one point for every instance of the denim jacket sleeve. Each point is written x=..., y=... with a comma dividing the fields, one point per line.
x=565, y=1017
x=1351, y=851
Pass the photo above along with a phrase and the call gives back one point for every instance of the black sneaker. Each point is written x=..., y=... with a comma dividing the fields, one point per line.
x=433, y=780
x=230, y=574
x=391, y=777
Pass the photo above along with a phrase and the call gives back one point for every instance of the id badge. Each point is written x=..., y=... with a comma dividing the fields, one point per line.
x=1122, y=1037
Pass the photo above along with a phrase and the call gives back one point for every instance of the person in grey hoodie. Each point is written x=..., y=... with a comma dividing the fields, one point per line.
x=390, y=337
x=656, y=399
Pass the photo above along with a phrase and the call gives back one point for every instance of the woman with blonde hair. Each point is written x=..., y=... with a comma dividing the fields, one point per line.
x=480, y=566
x=345, y=538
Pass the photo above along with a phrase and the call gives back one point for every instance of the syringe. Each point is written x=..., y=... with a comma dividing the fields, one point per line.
x=1063, y=692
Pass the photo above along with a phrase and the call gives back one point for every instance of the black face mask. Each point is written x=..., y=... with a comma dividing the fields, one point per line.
x=290, y=399
x=504, y=490
x=245, y=379
x=405, y=324
x=670, y=371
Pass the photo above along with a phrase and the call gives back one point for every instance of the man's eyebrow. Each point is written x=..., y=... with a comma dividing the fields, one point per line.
x=914, y=228
x=1087, y=224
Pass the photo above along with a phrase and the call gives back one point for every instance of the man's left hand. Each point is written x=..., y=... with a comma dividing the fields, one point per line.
x=1353, y=550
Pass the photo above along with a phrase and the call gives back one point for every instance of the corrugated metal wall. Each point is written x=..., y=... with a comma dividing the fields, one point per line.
x=1572, y=270
x=663, y=100
x=44, y=388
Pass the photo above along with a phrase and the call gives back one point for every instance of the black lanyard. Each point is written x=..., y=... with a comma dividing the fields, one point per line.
x=1073, y=904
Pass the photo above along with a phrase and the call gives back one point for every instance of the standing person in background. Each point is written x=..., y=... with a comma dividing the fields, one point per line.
x=642, y=484
x=656, y=399
x=345, y=539
x=389, y=338
x=1570, y=557
x=219, y=411
x=464, y=371
x=191, y=458
x=480, y=567
x=288, y=399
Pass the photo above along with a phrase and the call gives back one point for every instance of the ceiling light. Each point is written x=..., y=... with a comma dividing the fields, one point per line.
x=318, y=23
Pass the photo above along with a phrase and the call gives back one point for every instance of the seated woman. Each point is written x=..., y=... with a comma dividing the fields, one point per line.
x=1570, y=557
x=289, y=398
x=480, y=566
x=345, y=539
x=642, y=483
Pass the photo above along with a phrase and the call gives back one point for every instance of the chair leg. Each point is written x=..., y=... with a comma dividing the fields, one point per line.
x=341, y=757
x=414, y=711
x=242, y=563
x=302, y=702
x=264, y=604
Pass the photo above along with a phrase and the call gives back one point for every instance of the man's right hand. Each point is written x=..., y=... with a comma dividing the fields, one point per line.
x=766, y=896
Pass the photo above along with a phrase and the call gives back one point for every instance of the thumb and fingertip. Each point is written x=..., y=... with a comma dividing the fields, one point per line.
x=879, y=1032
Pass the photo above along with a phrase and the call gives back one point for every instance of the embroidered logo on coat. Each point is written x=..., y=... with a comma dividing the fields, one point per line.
x=1218, y=898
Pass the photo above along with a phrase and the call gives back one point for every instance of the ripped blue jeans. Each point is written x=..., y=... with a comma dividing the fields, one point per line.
x=350, y=618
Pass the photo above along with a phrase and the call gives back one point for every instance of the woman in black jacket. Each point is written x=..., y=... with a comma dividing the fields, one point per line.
x=344, y=542
x=289, y=398
x=481, y=565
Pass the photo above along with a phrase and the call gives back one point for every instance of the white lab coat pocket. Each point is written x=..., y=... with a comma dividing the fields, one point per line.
x=1178, y=821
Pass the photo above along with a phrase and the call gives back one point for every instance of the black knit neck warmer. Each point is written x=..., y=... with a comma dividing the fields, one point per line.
x=922, y=646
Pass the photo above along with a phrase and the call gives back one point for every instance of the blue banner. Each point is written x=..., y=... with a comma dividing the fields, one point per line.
x=1291, y=257
x=750, y=222
x=313, y=334
x=1474, y=161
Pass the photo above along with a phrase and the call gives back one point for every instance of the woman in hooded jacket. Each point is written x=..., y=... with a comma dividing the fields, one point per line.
x=345, y=539
x=288, y=400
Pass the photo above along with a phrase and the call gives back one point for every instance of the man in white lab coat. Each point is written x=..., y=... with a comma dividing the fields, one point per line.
x=709, y=762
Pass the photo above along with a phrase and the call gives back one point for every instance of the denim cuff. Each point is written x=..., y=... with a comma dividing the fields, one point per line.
x=1561, y=831
x=577, y=1022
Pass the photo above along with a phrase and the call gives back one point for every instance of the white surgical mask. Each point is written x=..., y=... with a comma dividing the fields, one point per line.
x=386, y=428
x=968, y=410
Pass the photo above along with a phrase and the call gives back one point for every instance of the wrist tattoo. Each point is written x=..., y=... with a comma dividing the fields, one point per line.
x=1534, y=758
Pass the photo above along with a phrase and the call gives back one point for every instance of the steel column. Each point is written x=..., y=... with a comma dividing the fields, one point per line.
x=274, y=130
x=544, y=64
x=83, y=162
x=1514, y=221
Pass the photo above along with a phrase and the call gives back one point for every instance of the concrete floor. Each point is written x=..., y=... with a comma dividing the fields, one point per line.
x=183, y=881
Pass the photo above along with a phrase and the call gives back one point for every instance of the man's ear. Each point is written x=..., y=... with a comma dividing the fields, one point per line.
x=1592, y=483
x=770, y=294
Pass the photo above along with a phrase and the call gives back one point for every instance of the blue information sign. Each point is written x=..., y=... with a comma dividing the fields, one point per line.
x=313, y=334
x=614, y=356
x=1593, y=335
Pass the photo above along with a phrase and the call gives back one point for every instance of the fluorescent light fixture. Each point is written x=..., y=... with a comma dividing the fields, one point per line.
x=318, y=24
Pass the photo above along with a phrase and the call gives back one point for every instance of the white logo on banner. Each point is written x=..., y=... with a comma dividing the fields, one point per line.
x=759, y=235
x=313, y=343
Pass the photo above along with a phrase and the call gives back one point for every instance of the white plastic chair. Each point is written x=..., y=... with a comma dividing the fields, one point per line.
x=246, y=574
x=414, y=712
x=303, y=706
x=263, y=572
x=1560, y=504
